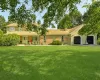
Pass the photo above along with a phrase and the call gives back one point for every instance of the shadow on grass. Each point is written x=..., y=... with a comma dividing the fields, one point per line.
x=49, y=65
x=12, y=67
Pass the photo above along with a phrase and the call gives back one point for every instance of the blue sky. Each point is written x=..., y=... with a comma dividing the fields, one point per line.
x=82, y=10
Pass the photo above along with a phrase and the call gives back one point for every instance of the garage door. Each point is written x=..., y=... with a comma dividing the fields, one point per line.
x=90, y=40
x=77, y=40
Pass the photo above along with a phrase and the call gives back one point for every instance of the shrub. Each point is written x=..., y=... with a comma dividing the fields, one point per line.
x=1, y=33
x=1, y=36
x=12, y=39
x=98, y=41
x=2, y=40
x=9, y=40
x=56, y=42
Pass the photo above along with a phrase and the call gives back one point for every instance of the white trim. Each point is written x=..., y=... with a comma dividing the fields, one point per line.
x=81, y=37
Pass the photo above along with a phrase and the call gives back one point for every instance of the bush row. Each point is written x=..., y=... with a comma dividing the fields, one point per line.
x=56, y=42
x=8, y=40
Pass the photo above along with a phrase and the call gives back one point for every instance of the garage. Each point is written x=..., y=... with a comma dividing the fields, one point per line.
x=77, y=40
x=90, y=39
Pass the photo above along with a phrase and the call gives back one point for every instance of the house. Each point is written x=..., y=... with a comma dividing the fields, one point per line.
x=68, y=36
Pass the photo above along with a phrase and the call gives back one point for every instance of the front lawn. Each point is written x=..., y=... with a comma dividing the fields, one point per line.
x=50, y=63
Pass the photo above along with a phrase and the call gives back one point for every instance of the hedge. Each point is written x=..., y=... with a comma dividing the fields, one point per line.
x=9, y=40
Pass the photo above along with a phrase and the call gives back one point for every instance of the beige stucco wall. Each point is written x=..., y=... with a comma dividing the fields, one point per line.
x=67, y=39
x=17, y=28
x=83, y=39
x=49, y=39
x=95, y=38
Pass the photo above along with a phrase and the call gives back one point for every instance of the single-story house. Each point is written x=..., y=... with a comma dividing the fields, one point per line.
x=67, y=36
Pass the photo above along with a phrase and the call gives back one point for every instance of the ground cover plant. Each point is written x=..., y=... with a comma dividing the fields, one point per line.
x=50, y=63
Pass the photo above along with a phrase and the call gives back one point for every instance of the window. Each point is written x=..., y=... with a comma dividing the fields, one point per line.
x=35, y=38
x=12, y=29
x=62, y=38
x=24, y=38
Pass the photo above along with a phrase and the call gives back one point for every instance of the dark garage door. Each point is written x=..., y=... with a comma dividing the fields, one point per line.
x=90, y=40
x=77, y=40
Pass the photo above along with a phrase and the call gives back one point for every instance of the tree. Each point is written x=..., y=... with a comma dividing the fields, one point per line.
x=76, y=17
x=55, y=8
x=23, y=17
x=8, y=4
x=65, y=22
x=92, y=19
x=70, y=20
x=53, y=26
x=40, y=30
x=2, y=24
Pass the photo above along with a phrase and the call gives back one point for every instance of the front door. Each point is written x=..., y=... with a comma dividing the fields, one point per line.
x=25, y=39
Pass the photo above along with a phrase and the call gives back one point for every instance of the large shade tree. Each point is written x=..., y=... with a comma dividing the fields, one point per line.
x=8, y=4
x=70, y=20
x=55, y=8
x=76, y=17
x=65, y=22
x=92, y=19
x=23, y=17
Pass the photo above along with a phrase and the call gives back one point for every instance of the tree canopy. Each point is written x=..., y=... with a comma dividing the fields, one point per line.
x=65, y=22
x=76, y=17
x=55, y=11
x=2, y=24
x=8, y=4
x=92, y=19
x=55, y=8
x=23, y=17
x=70, y=20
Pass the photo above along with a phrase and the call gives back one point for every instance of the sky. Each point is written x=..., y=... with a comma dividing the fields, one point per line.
x=80, y=8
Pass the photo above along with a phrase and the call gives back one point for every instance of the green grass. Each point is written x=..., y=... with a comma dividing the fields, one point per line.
x=50, y=63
